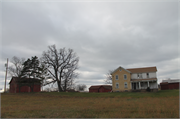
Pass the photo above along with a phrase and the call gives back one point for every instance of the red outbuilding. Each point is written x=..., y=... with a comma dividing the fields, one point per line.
x=169, y=84
x=24, y=85
x=100, y=88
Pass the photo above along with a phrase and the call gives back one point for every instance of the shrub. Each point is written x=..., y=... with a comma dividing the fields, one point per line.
x=148, y=89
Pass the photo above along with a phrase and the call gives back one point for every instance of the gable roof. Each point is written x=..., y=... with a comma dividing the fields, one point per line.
x=143, y=70
x=25, y=80
x=119, y=68
x=107, y=87
x=171, y=81
x=98, y=86
x=138, y=70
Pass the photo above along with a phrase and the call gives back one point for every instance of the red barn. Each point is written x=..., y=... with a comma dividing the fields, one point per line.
x=100, y=88
x=24, y=85
x=169, y=84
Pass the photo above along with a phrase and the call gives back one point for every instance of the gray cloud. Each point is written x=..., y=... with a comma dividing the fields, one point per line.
x=105, y=35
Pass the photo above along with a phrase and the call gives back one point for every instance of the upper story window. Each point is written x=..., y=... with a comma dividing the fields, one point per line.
x=117, y=85
x=139, y=76
x=125, y=85
x=147, y=75
x=125, y=76
x=117, y=77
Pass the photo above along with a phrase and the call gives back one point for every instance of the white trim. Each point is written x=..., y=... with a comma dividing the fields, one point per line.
x=117, y=77
x=144, y=81
x=116, y=86
x=139, y=85
x=125, y=85
x=126, y=76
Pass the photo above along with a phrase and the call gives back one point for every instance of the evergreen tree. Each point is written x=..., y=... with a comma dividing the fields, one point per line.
x=33, y=69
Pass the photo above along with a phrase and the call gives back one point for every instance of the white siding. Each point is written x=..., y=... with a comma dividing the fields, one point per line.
x=133, y=76
x=152, y=75
x=153, y=85
x=144, y=75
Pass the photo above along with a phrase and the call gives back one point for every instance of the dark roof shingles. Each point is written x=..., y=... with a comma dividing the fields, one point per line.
x=143, y=70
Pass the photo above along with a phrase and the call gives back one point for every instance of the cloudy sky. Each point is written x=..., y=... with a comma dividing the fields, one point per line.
x=104, y=34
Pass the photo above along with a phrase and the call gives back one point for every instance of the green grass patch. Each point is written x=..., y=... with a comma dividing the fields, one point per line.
x=161, y=93
x=161, y=104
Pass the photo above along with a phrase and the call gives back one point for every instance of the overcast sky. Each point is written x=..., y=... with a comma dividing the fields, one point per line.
x=105, y=35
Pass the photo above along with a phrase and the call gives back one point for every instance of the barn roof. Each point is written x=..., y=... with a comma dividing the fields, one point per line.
x=25, y=80
x=171, y=80
x=98, y=86
x=164, y=83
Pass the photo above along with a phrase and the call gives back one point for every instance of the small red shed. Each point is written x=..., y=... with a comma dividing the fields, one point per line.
x=100, y=88
x=24, y=85
x=164, y=86
x=169, y=84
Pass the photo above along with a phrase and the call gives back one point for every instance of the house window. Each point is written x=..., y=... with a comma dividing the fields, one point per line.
x=116, y=77
x=139, y=76
x=125, y=76
x=125, y=85
x=117, y=85
x=147, y=75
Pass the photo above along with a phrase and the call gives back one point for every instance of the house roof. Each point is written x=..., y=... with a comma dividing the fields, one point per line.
x=120, y=68
x=149, y=79
x=138, y=70
x=98, y=86
x=143, y=70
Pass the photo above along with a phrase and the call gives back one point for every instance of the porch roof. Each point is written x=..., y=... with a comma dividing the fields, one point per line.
x=143, y=80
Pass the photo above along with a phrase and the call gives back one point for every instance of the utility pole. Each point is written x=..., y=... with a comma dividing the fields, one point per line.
x=6, y=65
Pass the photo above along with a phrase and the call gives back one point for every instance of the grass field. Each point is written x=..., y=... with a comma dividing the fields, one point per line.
x=162, y=104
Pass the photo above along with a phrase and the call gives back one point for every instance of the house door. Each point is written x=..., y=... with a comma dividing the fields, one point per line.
x=134, y=86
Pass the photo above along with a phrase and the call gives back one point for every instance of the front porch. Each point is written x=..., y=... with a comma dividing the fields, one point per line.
x=139, y=86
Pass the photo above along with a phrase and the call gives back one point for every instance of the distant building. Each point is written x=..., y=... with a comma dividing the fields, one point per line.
x=24, y=85
x=136, y=79
x=170, y=84
x=71, y=90
x=100, y=88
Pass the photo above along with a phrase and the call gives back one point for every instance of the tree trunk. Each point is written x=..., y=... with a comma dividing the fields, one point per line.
x=59, y=86
x=65, y=85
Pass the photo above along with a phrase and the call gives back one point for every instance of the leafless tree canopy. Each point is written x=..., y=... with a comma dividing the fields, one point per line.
x=108, y=79
x=61, y=65
x=16, y=68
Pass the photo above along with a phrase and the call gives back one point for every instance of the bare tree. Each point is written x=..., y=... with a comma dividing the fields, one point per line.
x=81, y=87
x=108, y=79
x=61, y=65
x=68, y=78
x=16, y=68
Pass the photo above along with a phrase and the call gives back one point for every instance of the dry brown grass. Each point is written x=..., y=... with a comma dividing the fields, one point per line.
x=44, y=106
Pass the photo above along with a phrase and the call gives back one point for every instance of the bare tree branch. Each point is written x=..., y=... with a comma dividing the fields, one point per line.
x=108, y=79
x=16, y=68
x=63, y=63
